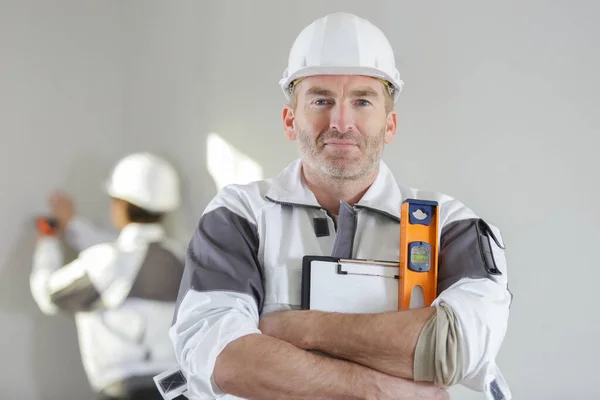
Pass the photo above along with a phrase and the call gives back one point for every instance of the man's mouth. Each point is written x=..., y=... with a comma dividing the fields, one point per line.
x=341, y=144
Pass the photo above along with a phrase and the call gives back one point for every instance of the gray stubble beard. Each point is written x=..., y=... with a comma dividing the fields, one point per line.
x=312, y=154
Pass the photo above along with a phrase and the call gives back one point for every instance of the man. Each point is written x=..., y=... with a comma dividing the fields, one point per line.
x=121, y=290
x=238, y=330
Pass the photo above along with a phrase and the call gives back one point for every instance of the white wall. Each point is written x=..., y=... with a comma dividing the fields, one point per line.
x=503, y=94
x=61, y=112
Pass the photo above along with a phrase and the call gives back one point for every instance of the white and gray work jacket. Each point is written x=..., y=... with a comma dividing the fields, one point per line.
x=122, y=294
x=245, y=260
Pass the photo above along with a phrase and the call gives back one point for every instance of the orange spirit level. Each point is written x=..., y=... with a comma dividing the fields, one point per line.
x=419, y=244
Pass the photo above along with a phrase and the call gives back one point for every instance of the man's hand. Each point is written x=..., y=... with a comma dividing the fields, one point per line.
x=62, y=208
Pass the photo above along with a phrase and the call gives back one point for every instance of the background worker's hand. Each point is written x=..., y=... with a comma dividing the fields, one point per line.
x=63, y=209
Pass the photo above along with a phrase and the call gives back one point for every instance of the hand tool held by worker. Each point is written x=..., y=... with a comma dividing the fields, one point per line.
x=46, y=226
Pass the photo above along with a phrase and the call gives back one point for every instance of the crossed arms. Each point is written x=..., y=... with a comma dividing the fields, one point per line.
x=275, y=364
x=224, y=347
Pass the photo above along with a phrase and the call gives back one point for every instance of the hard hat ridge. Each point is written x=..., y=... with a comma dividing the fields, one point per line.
x=341, y=44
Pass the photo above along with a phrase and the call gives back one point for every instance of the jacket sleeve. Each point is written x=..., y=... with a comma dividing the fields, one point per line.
x=221, y=293
x=81, y=234
x=47, y=259
x=99, y=277
x=473, y=283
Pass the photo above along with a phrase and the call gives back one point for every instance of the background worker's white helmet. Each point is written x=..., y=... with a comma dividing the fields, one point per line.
x=147, y=181
x=341, y=44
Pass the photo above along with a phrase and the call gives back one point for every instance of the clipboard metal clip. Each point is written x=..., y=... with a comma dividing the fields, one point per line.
x=340, y=271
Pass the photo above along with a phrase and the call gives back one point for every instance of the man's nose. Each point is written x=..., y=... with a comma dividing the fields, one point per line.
x=341, y=119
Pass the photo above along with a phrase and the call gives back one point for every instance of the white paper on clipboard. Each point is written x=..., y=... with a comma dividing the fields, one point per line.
x=351, y=286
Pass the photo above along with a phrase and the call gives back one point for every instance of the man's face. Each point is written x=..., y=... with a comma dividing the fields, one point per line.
x=341, y=125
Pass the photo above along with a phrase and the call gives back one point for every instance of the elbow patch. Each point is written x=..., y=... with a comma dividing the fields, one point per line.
x=438, y=354
x=467, y=251
x=79, y=295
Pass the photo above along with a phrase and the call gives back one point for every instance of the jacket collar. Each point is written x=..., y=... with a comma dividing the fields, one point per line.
x=134, y=234
x=383, y=196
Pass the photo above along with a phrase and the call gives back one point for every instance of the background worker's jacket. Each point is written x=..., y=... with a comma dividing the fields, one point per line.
x=245, y=260
x=122, y=294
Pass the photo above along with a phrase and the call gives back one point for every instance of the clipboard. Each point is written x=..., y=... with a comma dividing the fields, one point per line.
x=333, y=284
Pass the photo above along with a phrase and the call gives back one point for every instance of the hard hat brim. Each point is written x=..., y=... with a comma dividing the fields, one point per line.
x=116, y=194
x=284, y=83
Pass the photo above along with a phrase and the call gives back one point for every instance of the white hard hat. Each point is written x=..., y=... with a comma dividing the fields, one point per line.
x=341, y=44
x=147, y=181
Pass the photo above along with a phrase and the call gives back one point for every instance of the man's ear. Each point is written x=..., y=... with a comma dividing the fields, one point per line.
x=288, y=122
x=390, y=127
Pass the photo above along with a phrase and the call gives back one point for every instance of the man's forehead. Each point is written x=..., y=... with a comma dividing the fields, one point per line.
x=339, y=83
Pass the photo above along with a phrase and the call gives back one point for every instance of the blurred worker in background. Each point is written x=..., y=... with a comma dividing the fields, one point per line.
x=121, y=288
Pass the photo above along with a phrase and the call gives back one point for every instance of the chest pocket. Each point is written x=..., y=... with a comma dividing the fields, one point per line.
x=290, y=237
x=283, y=288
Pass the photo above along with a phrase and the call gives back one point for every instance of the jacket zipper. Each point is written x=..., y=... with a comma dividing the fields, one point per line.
x=379, y=212
x=285, y=203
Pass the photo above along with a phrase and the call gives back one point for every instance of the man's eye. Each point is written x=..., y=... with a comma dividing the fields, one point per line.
x=321, y=102
x=363, y=103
